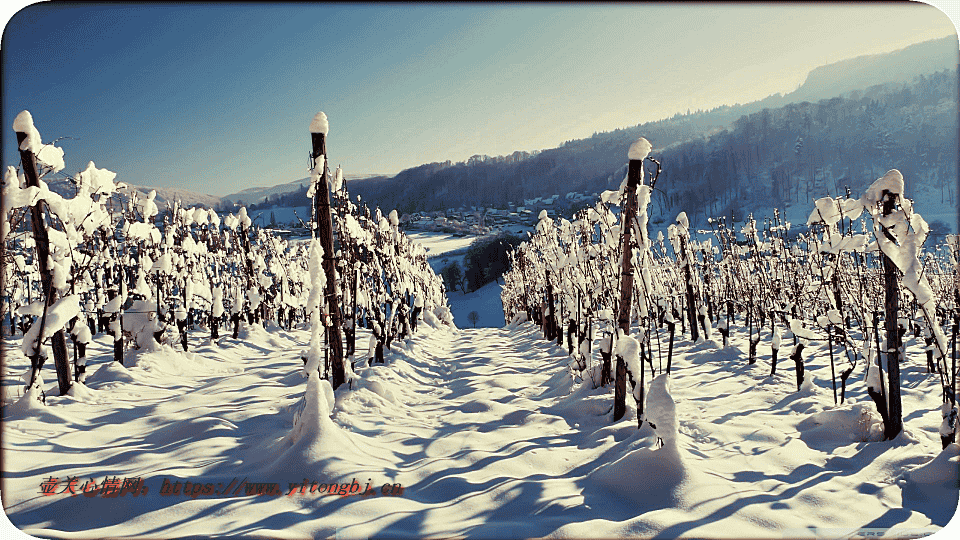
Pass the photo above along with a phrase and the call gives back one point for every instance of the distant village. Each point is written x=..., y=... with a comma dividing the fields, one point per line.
x=480, y=221
x=462, y=221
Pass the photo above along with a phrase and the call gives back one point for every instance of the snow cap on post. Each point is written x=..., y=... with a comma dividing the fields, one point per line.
x=23, y=123
x=640, y=149
x=892, y=182
x=47, y=154
x=320, y=124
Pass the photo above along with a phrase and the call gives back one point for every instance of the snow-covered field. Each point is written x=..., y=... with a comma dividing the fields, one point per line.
x=489, y=436
x=438, y=244
x=444, y=248
x=485, y=301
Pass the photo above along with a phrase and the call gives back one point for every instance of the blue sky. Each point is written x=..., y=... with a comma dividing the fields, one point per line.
x=218, y=97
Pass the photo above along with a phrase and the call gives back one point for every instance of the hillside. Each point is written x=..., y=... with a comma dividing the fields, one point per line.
x=788, y=156
x=594, y=163
x=856, y=73
x=257, y=195
x=693, y=144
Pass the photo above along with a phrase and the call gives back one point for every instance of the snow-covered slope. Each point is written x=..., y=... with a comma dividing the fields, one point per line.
x=258, y=194
x=166, y=196
x=488, y=434
x=485, y=301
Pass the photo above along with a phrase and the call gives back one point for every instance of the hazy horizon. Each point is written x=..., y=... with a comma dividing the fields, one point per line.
x=217, y=98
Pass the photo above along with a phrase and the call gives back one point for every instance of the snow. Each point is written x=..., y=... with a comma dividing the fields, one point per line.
x=485, y=301
x=319, y=124
x=141, y=321
x=97, y=180
x=661, y=409
x=519, y=318
x=58, y=315
x=941, y=470
x=486, y=431
x=144, y=231
x=826, y=210
x=23, y=123
x=640, y=149
x=892, y=182
x=338, y=179
x=244, y=219
x=796, y=326
x=51, y=156
x=48, y=154
x=440, y=243
x=315, y=305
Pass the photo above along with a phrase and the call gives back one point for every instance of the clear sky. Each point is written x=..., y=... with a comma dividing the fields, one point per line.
x=218, y=97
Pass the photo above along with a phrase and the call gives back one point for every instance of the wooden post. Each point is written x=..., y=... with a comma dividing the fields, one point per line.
x=752, y=349
x=324, y=229
x=42, y=241
x=248, y=261
x=526, y=293
x=353, y=298
x=672, y=327
x=833, y=373
x=691, y=296
x=118, y=336
x=559, y=323
x=892, y=306
x=634, y=174
x=605, y=378
x=549, y=317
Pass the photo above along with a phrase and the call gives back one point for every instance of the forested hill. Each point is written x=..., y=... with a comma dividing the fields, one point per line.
x=807, y=150
x=872, y=119
x=896, y=67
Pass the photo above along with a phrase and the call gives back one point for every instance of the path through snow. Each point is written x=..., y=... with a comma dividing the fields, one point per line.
x=485, y=430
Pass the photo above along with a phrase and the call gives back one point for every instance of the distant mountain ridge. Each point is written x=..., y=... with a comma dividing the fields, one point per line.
x=257, y=195
x=900, y=66
x=591, y=163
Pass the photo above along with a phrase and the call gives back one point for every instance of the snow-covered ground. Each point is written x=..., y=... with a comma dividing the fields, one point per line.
x=443, y=249
x=438, y=244
x=487, y=432
x=485, y=301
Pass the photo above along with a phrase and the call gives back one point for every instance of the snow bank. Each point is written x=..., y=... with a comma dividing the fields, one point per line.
x=935, y=480
x=939, y=471
x=851, y=422
x=446, y=317
x=431, y=319
x=316, y=445
x=644, y=475
x=30, y=403
x=517, y=320
x=80, y=392
x=165, y=360
x=661, y=409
